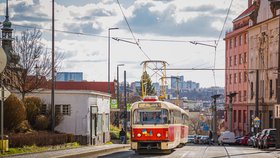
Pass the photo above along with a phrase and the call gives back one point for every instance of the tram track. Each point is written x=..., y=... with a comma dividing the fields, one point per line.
x=226, y=151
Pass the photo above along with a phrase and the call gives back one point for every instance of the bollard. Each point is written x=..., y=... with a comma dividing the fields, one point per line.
x=5, y=144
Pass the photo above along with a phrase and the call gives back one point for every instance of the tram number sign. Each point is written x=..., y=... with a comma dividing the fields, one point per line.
x=149, y=105
x=277, y=111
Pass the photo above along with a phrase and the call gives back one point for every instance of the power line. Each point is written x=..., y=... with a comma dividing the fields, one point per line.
x=132, y=32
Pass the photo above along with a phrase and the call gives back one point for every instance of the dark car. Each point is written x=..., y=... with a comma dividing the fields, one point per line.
x=256, y=140
x=269, y=139
x=204, y=140
x=196, y=139
x=261, y=138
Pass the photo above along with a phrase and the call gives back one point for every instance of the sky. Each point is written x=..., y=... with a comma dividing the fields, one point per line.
x=162, y=30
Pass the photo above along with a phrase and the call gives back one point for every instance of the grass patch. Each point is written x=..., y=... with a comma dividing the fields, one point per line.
x=34, y=148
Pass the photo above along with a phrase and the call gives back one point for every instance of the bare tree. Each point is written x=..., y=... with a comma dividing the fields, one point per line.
x=34, y=64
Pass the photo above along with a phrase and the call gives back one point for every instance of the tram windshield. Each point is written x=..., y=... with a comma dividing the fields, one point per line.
x=143, y=116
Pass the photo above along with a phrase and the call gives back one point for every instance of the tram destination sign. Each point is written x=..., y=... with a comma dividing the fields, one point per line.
x=149, y=105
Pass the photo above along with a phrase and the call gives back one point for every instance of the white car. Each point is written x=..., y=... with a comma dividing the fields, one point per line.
x=226, y=137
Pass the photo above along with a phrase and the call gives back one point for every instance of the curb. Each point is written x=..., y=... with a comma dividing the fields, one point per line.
x=90, y=153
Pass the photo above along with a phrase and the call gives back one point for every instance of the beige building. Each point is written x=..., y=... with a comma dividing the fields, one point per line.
x=263, y=57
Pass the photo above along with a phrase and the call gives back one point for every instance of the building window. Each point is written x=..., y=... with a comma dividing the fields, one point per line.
x=245, y=95
x=234, y=60
x=230, y=78
x=252, y=90
x=234, y=115
x=230, y=43
x=244, y=116
x=57, y=109
x=63, y=109
x=270, y=89
x=235, y=41
x=230, y=61
x=239, y=96
x=239, y=116
x=240, y=58
x=66, y=110
x=240, y=77
x=246, y=38
x=245, y=76
x=235, y=78
x=270, y=122
x=245, y=57
x=44, y=109
x=240, y=40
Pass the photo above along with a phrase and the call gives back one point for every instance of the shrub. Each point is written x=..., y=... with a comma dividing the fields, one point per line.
x=41, y=122
x=14, y=112
x=33, y=107
x=23, y=127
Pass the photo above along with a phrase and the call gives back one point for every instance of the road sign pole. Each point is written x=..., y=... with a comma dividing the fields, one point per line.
x=2, y=112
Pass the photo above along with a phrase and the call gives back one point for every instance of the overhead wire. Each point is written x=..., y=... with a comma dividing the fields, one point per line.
x=217, y=42
x=137, y=43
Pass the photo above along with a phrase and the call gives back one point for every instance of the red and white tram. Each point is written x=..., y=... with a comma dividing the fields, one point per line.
x=157, y=126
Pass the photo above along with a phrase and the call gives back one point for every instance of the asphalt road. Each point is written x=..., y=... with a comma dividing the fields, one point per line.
x=200, y=151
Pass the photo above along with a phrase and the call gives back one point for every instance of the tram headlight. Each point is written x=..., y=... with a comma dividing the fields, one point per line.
x=158, y=135
x=138, y=135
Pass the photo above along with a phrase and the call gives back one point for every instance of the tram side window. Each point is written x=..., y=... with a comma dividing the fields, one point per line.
x=176, y=117
x=185, y=119
x=171, y=117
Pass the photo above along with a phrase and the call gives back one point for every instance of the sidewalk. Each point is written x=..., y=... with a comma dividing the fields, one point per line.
x=77, y=152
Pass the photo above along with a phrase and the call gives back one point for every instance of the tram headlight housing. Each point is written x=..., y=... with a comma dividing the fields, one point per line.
x=158, y=135
x=139, y=135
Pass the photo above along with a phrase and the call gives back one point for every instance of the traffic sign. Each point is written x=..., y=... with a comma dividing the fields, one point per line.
x=257, y=122
x=3, y=59
x=6, y=93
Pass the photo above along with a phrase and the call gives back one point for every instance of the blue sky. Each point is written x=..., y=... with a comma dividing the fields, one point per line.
x=151, y=21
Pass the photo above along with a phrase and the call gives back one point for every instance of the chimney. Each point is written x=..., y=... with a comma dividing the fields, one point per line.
x=249, y=3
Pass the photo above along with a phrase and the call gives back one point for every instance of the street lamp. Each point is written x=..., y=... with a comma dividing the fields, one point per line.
x=118, y=90
x=231, y=95
x=112, y=28
x=215, y=116
x=53, y=73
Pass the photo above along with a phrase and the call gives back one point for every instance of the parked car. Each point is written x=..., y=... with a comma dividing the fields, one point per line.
x=256, y=140
x=191, y=139
x=196, y=139
x=238, y=140
x=204, y=140
x=244, y=140
x=260, y=141
x=269, y=139
x=251, y=140
x=226, y=137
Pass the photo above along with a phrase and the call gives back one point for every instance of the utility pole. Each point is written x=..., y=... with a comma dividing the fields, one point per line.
x=125, y=109
x=215, y=136
x=231, y=95
x=118, y=92
x=53, y=70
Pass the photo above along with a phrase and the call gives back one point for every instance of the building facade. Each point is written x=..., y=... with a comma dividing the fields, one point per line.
x=69, y=76
x=86, y=113
x=263, y=63
x=236, y=72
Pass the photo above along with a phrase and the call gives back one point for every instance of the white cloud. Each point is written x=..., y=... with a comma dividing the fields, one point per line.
x=175, y=20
